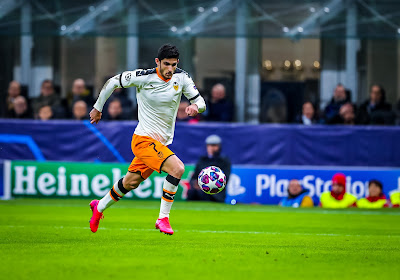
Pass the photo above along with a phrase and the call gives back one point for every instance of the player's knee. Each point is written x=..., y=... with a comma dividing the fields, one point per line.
x=131, y=184
x=178, y=170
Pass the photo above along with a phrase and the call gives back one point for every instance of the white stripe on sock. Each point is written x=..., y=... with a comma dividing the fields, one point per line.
x=165, y=206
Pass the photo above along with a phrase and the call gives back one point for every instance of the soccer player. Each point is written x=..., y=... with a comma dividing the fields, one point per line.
x=159, y=92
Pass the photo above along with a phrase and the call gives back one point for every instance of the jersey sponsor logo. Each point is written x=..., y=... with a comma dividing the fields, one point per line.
x=176, y=86
x=160, y=154
x=145, y=72
x=195, y=87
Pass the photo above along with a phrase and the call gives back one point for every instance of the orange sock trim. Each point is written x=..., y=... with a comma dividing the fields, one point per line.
x=169, y=191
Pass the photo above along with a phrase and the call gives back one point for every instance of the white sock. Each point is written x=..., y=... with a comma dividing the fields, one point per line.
x=169, y=190
x=114, y=195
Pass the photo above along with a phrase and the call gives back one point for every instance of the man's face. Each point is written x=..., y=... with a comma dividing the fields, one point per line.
x=347, y=113
x=80, y=110
x=78, y=87
x=218, y=92
x=337, y=189
x=340, y=93
x=45, y=113
x=212, y=149
x=374, y=190
x=115, y=109
x=14, y=89
x=294, y=187
x=308, y=110
x=167, y=67
x=47, y=89
x=20, y=105
x=375, y=95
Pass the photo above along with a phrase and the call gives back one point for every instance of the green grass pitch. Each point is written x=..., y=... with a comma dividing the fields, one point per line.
x=51, y=239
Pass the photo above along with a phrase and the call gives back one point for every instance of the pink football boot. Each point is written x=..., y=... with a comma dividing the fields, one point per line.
x=164, y=226
x=94, y=221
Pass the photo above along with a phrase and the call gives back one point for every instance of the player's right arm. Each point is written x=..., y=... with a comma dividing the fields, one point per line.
x=124, y=80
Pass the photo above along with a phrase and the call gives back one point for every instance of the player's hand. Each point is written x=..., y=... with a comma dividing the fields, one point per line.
x=192, y=110
x=95, y=116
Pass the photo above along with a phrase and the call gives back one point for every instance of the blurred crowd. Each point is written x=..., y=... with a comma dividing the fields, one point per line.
x=338, y=197
x=77, y=104
x=50, y=105
x=340, y=110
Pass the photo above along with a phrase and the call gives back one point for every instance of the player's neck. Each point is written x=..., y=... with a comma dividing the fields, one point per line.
x=160, y=75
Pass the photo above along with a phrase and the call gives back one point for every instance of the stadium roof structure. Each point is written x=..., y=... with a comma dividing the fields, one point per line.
x=203, y=18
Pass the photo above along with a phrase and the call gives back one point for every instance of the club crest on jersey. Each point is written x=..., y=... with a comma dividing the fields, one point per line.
x=176, y=86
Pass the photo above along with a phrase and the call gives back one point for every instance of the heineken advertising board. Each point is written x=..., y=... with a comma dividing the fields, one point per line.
x=87, y=180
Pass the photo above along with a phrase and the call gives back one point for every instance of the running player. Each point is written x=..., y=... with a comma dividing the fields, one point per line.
x=159, y=92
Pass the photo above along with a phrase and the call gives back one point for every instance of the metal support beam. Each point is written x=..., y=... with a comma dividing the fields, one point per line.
x=352, y=45
x=187, y=56
x=26, y=46
x=240, y=60
x=132, y=44
x=217, y=10
x=87, y=23
x=334, y=7
x=7, y=6
x=253, y=81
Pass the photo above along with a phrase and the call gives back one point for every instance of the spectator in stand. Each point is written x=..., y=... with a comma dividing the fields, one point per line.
x=214, y=158
x=395, y=199
x=181, y=115
x=307, y=116
x=332, y=109
x=20, y=109
x=14, y=90
x=346, y=115
x=79, y=110
x=376, y=110
x=45, y=113
x=220, y=109
x=115, y=112
x=376, y=197
x=337, y=197
x=48, y=97
x=80, y=92
x=297, y=196
x=121, y=94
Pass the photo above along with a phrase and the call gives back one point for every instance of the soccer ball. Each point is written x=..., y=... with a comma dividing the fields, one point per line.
x=211, y=180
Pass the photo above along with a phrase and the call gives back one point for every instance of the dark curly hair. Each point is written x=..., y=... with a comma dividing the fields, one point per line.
x=168, y=51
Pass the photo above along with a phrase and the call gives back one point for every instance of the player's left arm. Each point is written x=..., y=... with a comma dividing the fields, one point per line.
x=198, y=105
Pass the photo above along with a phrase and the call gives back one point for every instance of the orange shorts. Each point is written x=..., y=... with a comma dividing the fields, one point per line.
x=149, y=155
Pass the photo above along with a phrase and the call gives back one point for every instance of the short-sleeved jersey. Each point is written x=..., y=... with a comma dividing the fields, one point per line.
x=158, y=100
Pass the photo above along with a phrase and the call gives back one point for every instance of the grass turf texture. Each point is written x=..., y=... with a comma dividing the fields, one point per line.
x=51, y=239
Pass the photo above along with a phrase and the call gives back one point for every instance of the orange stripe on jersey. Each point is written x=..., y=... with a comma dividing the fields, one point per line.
x=168, y=191
x=113, y=197
x=161, y=77
x=167, y=200
x=116, y=192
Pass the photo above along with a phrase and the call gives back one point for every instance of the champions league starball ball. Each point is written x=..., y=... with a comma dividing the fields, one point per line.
x=211, y=180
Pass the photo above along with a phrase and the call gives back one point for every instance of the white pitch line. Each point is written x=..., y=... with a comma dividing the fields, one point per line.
x=211, y=231
x=233, y=208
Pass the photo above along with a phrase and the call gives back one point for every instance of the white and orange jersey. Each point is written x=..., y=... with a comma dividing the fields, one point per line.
x=158, y=99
